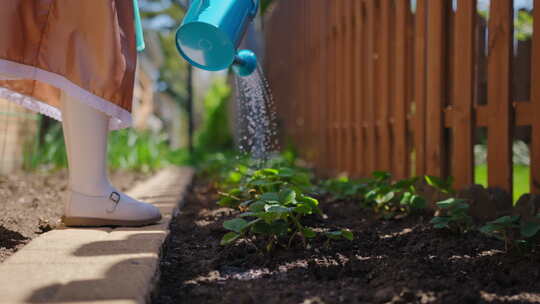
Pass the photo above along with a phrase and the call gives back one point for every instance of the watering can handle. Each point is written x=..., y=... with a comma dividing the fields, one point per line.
x=138, y=27
x=255, y=8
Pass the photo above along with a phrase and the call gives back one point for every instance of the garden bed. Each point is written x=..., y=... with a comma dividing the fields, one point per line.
x=396, y=261
x=32, y=203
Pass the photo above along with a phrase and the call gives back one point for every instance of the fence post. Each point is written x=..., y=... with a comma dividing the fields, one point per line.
x=500, y=119
x=535, y=100
x=463, y=94
x=359, y=88
x=435, y=86
x=400, y=155
x=383, y=85
x=420, y=87
x=371, y=96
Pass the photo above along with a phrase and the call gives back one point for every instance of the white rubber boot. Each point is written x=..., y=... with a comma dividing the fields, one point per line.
x=91, y=200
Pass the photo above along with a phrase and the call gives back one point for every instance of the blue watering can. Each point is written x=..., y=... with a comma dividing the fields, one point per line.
x=211, y=31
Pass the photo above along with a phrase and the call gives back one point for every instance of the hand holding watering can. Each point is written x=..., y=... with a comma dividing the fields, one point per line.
x=211, y=31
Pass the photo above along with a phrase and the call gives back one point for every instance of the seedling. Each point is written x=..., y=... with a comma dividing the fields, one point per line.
x=454, y=215
x=391, y=199
x=502, y=229
x=273, y=215
x=505, y=228
x=344, y=188
x=254, y=183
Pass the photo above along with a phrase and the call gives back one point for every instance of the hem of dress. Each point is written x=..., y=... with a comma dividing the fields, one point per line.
x=119, y=117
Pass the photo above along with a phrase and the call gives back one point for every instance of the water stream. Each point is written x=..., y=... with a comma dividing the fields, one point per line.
x=256, y=116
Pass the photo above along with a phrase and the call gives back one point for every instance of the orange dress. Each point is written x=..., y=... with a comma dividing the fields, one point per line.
x=85, y=48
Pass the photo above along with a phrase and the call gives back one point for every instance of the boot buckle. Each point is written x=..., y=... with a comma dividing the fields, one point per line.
x=115, y=197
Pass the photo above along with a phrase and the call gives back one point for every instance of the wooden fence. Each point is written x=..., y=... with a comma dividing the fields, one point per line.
x=405, y=86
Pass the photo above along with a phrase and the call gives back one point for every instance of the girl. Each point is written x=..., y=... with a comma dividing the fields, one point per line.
x=74, y=60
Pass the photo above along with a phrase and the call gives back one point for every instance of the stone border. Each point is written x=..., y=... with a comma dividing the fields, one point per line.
x=102, y=265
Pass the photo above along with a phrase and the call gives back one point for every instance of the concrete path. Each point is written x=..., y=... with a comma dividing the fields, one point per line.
x=96, y=265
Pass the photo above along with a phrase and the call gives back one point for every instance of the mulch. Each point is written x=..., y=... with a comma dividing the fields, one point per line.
x=390, y=261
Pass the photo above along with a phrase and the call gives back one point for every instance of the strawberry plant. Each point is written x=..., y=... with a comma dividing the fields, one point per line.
x=273, y=201
x=503, y=229
x=392, y=199
x=513, y=230
x=453, y=215
x=343, y=188
x=273, y=215
x=256, y=182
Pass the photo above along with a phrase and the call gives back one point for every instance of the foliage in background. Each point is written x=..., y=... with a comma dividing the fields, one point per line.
x=142, y=151
x=50, y=153
x=164, y=17
x=215, y=133
x=127, y=149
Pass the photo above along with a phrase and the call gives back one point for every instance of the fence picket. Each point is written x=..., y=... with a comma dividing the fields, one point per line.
x=383, y=85
x=371, y=158
x=500, y=95
x=400, y=155
x=463, y=94
x=420, y=87
x=359, y=89
x=435, y=86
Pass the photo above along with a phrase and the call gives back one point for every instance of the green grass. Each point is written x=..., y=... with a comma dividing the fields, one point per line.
x=521, y=179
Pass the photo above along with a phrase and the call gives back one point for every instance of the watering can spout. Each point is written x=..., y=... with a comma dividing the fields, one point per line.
x=211, y=32
x=245, y=63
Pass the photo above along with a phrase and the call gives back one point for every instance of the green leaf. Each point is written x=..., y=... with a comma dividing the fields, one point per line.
x=505, y=220
x=418, y=202
x=383, y=199
x=488, y=229
x=308, y=200
x=371, y=195
x=382, y=176
x=286, y=172
x=229, y=238
x=347, y=234
x=303, y=209
x=236, y=225
x=440, y=222
x=277, y=209
x=287, y=196
x=245, y=204
x=334, y=235
x=278, y=228
x=308, y=233
x=258, y=206
x=269, y=196
x=267, y=172
x=449, y=203
x=338, y=234
x=529, y=229
x=269, y=217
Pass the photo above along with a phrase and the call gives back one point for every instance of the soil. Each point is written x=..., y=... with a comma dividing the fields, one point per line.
x=396, y=261
x=32, y=203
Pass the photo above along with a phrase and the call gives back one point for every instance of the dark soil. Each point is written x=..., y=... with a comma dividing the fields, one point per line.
x=32, y=203
x=397, y=261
